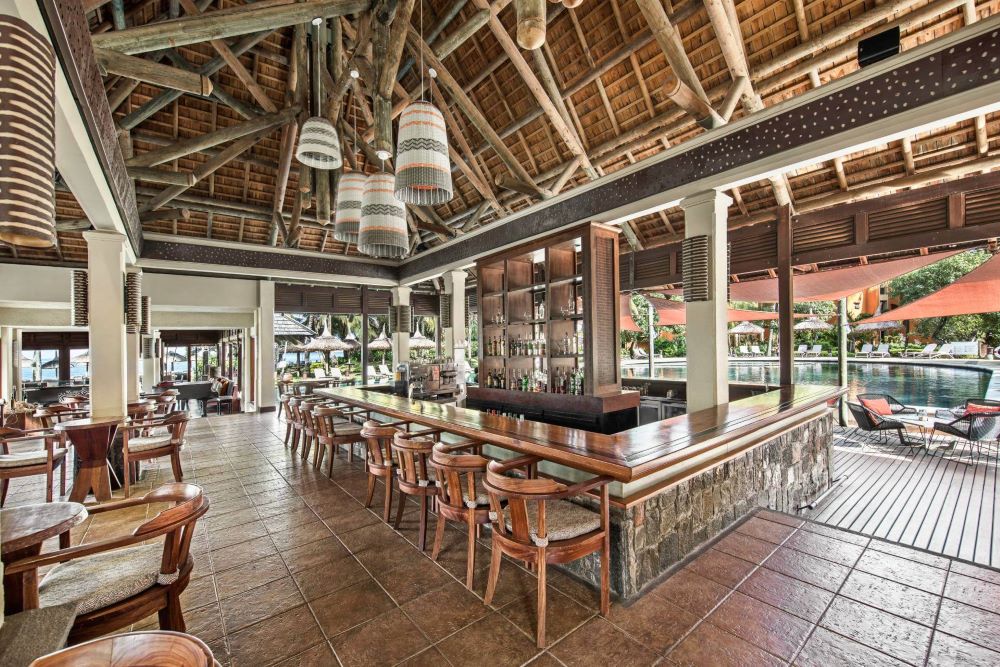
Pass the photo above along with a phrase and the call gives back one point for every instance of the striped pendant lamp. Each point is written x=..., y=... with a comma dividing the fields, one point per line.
x=348, y=216
x=382, y=232
x=319, y=144
x=423, y=171
x=27, y=136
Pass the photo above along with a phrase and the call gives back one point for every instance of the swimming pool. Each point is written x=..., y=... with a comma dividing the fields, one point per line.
x=937, y=386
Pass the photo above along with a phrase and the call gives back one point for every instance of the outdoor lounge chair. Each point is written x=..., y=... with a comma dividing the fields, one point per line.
x=319, y=373
x=924, y=353
x=866, y=350
x=801, y=350
x=895, y=407
x=945, y=351
x=755, y=351
x=882, y=351
x=871, y=422
x=815, y=351
x=975, y=428
x=744, y=351
x=337, y=376
x=384, y=370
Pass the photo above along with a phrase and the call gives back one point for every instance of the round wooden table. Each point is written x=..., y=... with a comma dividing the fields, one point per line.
x=22, y=531
x=156, y=647
x=92, y=438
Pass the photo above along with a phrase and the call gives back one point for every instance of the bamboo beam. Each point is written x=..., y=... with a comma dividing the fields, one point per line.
x=670, y=43
x=388, y=69
x=454, y=9
x=507, y=182
x=468, y=165
x=565, y=132
x=289, y=134
x=165, y=214
x=161, y=176
x=462, y=34
x=150, y=71
x=194, y=144
x=468, y=107
x=220, y=24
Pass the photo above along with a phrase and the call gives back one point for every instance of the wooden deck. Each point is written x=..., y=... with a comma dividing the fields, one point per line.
x=945, y=504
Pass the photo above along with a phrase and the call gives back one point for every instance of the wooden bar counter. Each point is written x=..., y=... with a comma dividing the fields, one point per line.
x=679, y=482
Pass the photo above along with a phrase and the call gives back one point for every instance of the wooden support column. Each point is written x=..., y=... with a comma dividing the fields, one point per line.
x=842, y=356
x=786, y=299
x=365, y=358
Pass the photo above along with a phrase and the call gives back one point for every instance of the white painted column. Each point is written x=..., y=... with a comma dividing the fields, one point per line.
x=265, y=348
x=401, y=339
x=454, y=338
x=150, y=366
x=7, y=369
x=705, y=214
x=106, y=268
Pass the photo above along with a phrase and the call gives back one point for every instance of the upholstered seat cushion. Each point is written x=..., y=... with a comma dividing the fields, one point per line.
x=33, y=458
x=563, y=520
x=345, y=429
x=104, y=578
x=147, y=442
x=482, y=498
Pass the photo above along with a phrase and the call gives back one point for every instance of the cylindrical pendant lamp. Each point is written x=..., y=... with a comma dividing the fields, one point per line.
x=80, y=303
x=382, y=232
x=347, y=219
x=27, y=136
x=319, y=144
x=133, y=301
x=423, y=170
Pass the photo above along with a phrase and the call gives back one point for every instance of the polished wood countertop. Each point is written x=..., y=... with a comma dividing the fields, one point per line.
x=625, y=456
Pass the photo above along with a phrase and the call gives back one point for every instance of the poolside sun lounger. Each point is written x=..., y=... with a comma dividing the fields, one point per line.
x=744, y=351
x=801, y=350
x=944, y=352
x=882, y=351
x=866, y=350
x=926, y=352
x=319, y=373
x=755, y=351
x=815, y=351
x=384, y=370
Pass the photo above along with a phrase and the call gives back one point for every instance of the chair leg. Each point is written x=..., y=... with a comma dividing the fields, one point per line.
x=318, y=454
x=540, y=632
x=422, y=533
x=172, y=616
x=371, y=490
x=388, y=498
x=399, y=509
x=127, y=482
x=48, y=485
x=3, y=490
x=470, y=559
x=175, y=463
x=62, y=477
x=491, y=584
x=288, y=433
x=329, y=463
x=606, y=574
x=438, y=536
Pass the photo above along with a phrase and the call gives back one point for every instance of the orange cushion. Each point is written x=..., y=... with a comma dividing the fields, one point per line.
x=982, y=409
x=879, y=406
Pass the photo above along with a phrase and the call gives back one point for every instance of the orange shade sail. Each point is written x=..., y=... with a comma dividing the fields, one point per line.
x=978, y=291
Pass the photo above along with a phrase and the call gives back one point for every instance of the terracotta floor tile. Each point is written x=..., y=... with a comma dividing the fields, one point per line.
x=691, y=591
x=314, y=554
x=230, y=519
x=204, y=622
x=243, y=552
x=430, y=657
x=877, y=629
x=827, y=548
x=562, y=614
x=384, y=640
x=508, y=646
x=810, y=569
x=599, y=642
x=259, y=603
x=341, y=521
x=825, y=649
x=790, y=595
x=333, y=576
x=769, y=531
x=709, y=645
x=970, y=623
x=544, y=660
x=948, y=650
x=413, y=579
x=274, y=639
x=764, y=626
x=320, y=655
x=303, y=533
x=351, y=606
x=745, y=547
x=229, y=536
x=895, y=598
x=721, y=568
x=199, y=593
x=653, y=621
x=911, y=573
x=974, y=592
x=288, y=519
x=249, y=575
x=445, y=610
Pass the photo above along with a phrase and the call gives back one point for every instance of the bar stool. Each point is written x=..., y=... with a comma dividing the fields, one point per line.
x=334, y=429
x=539, y=526
x=462, y=496
x=412, y=455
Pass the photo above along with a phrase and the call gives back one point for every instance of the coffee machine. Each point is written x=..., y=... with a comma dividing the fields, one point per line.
x=432, y=381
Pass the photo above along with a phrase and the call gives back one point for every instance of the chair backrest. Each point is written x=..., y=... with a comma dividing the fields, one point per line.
x=371, y=372
x=176, y=423
x=945, y=349
x=884, y=347
x=412, y=455
x=866, y=348
x=866, y=419
x=319, y=373
x=457, y=476
x=384, y=370
x=984, y=402
x=336, y=374
x=802, y=348
x=140, y=409
x=54, y=414
x=378, y=443
x=984, y=426
x=286, y=409
x=74, y=400
x=519, y=494
x=755, y=349
x=817, y=348
x=930, y=347
x=894, y=404
x=325, y=419
x=176, y=522
x=744, y=349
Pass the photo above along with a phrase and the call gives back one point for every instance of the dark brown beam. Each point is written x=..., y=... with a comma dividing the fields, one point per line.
x=786, y=299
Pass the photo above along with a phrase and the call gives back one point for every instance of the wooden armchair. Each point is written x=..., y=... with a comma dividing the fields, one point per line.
x=166, y=402
x=120, y=581
x=24, y=463
x=462, y=497
x=286, y=414
x=539, y=526
x=333, y=429
x=378, y=460
x=139, y=443
x=413, y=477
x=51, y=415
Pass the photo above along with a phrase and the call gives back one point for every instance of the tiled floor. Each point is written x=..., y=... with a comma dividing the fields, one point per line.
x=292, y=570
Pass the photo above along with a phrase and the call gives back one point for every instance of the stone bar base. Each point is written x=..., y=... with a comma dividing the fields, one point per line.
x=781, y=474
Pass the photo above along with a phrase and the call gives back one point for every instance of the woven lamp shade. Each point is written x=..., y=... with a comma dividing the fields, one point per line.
x=319, y=145
x=133, y=302
x=80, y=305
x=383, y=230
x=27, y=136
x=146, y=323
x=423, y=171
x=348, y=216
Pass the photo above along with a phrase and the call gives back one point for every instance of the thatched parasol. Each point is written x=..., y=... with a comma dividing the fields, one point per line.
x=381, y=342
x=813, y=324
x=746, y=329
x=326, y=342
x=420, y=342
x=876, y=326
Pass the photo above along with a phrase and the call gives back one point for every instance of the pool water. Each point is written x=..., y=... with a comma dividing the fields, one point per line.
x=934, y=386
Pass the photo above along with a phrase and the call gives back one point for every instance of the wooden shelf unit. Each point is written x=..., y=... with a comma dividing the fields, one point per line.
x=575, y=276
